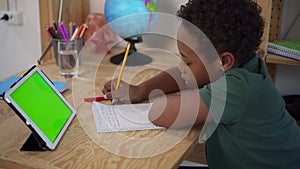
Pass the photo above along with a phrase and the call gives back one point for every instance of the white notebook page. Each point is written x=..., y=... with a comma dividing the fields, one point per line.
x=126, y=117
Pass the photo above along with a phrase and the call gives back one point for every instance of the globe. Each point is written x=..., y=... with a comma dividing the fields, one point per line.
x=130, y=18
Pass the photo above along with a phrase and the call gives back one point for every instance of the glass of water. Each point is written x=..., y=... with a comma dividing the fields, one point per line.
x=68, y=58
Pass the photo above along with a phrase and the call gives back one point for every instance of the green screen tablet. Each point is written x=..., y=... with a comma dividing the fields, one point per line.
x=41, y=106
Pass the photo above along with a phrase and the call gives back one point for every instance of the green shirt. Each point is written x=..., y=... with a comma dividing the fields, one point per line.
x=255, y=129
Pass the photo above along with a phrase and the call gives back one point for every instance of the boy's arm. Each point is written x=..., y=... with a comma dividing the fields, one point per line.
x=175, y=111
x=167, y=81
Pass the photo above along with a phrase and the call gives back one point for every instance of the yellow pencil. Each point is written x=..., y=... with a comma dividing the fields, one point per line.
x=123, y=66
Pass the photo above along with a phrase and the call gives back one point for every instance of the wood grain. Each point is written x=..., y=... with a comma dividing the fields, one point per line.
x=281, y=60
x=82, y=146
x=44, y=21
x=276, y=19
x=266, y=6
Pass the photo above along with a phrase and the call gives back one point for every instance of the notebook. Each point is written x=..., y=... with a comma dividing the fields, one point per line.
x=293, y=45
x=5, y=85
x=126, y=117
x=43, y=109
x=285, y=48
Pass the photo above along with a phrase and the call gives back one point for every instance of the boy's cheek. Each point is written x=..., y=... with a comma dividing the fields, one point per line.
x=188, y=75
x=189, y=79
x=182, y=67
x=184, y=72
x=185, y=78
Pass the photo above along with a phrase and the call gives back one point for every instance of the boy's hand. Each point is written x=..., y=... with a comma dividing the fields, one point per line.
x=125, y=94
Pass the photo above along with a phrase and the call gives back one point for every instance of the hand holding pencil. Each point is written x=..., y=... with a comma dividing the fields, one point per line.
x=108, y=86
x=127, y=93
x=122, y=68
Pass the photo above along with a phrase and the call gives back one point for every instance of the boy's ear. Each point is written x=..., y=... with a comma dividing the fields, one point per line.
x=228, y=60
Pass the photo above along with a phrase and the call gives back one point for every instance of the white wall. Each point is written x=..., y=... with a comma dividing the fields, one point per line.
x=288, y=79
x=20, y=45
x=97, y=6
x=291, y=20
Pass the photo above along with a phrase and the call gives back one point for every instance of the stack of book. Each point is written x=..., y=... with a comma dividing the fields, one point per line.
x=285, y=48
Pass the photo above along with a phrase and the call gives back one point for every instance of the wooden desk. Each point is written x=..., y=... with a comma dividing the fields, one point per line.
x=79, y=149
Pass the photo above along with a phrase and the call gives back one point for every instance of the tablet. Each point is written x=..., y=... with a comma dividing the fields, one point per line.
x=42, y=107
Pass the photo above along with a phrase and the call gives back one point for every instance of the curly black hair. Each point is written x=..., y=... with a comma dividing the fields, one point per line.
x=231, y=25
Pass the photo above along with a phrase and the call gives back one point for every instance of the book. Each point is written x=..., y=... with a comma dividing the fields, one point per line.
x=293, y=45
x=285, y=48
x=5, y=85
x=283, y=54
x=126, y=117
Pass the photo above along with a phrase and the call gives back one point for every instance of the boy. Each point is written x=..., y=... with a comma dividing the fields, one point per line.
x=255, y=130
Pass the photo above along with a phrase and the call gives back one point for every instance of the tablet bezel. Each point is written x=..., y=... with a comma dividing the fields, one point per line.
x=24, y=116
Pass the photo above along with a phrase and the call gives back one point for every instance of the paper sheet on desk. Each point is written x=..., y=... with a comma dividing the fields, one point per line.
x=127, y=117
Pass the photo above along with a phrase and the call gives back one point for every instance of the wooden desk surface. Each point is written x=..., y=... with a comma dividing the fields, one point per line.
x=82, y=146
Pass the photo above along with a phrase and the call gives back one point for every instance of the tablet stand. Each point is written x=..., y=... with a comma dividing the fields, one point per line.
x=34, y=143
x=134, y=58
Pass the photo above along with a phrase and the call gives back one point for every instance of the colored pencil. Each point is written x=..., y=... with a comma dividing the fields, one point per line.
x=123, y=66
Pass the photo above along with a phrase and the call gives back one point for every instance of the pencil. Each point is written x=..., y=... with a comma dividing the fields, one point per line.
x=49, y=32
x=123, y=66
x=80, y=30
x=65, y=30
x=55, y=25
x=71, y=29
x=74, y=34
x=83, y=30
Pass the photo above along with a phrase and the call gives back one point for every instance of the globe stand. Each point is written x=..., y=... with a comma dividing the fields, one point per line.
x=134, y=58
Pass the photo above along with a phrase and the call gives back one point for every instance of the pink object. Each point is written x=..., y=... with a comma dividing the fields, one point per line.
x=98, y=40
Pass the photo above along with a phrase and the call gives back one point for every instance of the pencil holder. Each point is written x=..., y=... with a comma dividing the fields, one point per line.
x=80, y=43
